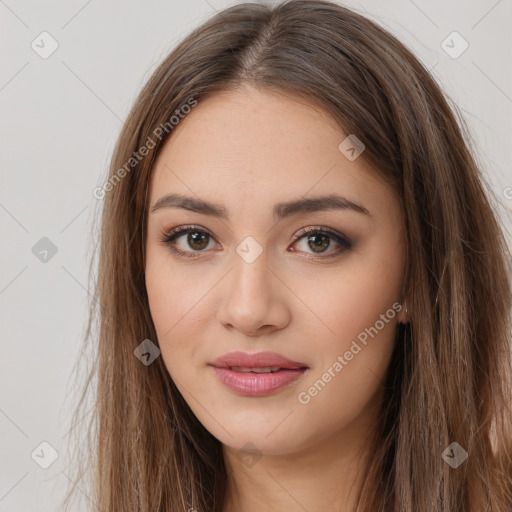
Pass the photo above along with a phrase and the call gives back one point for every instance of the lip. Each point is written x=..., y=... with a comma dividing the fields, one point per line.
x=257, y=384
x=257, y=360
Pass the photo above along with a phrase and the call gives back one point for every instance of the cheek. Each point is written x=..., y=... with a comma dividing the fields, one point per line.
x=172, y=294
x=356, y=304
x=176, y=303
x=168, y=304
x=354, y=300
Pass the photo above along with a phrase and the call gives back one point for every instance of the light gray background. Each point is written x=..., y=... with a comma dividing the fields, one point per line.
x=60, y=117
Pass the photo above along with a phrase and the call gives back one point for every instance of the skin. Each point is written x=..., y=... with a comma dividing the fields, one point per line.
x=247, y=150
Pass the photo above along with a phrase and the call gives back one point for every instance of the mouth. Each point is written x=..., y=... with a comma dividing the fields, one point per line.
x=268, y=361
x=258, y=381
x=257, y=374
x=268, y=369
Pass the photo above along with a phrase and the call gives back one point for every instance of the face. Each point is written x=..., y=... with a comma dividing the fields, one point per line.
x=318, y=283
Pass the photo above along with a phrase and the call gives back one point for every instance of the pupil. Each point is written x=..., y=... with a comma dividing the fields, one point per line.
x=196, y=238
x=319, y=244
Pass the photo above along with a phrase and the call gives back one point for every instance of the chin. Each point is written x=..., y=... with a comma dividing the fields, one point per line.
x=261, y=440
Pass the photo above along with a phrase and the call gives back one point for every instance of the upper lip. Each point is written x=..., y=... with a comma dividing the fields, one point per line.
x=257, y=360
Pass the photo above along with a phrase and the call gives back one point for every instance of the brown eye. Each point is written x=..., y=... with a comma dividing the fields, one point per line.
x=319, y=240
x=196, y=240
x=318, y=243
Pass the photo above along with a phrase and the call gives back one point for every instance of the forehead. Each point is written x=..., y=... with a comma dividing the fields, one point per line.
x=252, y=145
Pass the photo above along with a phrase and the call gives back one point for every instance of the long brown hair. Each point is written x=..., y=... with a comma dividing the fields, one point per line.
x=450, y=377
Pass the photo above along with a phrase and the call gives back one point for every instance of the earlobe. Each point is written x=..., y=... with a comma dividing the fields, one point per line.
x=403, y=316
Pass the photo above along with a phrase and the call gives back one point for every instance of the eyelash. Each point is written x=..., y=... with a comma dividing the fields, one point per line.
x=169, y=238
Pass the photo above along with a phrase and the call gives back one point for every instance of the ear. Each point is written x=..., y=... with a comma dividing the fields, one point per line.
x=403, y=315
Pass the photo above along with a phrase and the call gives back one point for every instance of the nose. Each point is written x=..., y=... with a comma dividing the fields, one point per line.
x=254, y=299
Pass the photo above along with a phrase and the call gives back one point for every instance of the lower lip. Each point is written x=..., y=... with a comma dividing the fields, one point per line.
x=257, y=384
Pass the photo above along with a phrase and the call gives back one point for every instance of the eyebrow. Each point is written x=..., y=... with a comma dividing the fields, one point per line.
x=280, y=211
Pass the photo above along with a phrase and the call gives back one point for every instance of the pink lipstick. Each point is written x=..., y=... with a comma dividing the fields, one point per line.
x=257, y=374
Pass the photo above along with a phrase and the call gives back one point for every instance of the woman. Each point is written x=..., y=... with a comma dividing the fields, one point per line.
x=305, y=293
